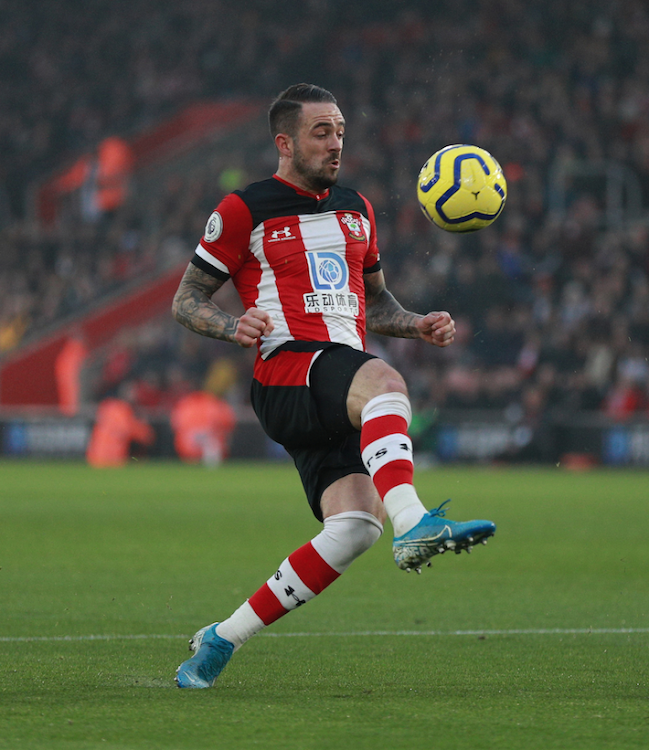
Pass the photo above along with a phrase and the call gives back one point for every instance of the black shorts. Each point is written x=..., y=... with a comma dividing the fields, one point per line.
x=300, y=397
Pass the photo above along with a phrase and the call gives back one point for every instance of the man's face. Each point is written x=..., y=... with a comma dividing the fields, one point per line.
x=318, y=145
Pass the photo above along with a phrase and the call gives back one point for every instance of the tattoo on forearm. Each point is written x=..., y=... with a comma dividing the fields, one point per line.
x=193, y=306
x=384, y=314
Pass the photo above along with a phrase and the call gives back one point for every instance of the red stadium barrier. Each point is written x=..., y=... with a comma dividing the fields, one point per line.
x=28, y=378
x=184, y=130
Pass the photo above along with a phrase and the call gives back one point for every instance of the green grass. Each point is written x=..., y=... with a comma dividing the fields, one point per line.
x=163, y=549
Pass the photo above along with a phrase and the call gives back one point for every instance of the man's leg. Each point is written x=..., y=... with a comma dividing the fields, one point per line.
x=353, y=507
x=351, y=510
x=378, y=405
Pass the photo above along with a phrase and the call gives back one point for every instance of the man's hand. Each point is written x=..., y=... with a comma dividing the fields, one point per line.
x=437, y=328
x=252, y=325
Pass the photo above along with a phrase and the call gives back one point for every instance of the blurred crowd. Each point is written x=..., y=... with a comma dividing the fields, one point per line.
x=552, y=302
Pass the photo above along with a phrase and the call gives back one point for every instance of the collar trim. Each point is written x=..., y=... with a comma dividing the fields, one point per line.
x=300, y=191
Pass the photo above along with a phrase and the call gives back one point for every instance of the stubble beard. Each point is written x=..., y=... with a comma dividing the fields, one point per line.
x=315, y=178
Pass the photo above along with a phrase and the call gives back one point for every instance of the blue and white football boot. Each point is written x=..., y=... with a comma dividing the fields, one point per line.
x=434, y=535
x=211, y=654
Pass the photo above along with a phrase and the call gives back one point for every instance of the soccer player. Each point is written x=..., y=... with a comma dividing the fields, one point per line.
x=303, y=255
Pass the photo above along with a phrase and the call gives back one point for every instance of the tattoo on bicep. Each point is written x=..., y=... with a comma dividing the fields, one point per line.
x=193, y=306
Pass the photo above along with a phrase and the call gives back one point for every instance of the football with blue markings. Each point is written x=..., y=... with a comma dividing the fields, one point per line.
x=462, y=188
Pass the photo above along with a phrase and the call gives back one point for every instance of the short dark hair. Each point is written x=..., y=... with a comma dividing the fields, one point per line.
x=284, y=112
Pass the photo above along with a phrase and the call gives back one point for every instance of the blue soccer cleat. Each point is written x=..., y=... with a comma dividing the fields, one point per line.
x=434, y=535
x=211, y=654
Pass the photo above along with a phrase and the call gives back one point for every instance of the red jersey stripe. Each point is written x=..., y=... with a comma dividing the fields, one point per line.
x=284, y=251
x=356, y=230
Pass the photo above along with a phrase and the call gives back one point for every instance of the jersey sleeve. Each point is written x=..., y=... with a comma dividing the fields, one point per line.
x=225, y=244
x=372, y=260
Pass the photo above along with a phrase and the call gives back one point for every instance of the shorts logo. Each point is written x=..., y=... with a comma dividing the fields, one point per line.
x=354, y=227
x=214, y=227
x=327, y=270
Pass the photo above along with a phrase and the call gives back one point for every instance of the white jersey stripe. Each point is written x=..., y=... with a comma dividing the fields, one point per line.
x=322, y=232
x=267, y=297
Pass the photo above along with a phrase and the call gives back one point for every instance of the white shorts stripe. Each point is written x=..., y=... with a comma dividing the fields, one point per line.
x=308, y=373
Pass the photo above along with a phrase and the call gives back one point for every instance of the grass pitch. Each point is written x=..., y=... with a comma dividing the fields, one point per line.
x=539, y=640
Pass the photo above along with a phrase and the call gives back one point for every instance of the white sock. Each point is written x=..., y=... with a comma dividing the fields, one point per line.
x=242, y=624
x=386, y=451
x=404, y=508
x=344, y=537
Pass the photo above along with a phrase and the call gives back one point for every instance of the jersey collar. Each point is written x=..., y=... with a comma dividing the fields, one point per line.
x=299, y=191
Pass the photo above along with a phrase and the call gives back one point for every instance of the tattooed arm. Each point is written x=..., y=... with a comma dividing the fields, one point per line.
x=387, y=317
x=193, y=307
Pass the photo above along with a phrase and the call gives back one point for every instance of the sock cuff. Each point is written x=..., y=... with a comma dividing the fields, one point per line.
x=400, y=497
x=387, y=404
x=242, y=624
x=359, y=515
x=345, y=537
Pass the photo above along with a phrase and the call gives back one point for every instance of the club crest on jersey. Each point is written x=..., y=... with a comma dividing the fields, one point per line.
x=214, y=227
x=354, y=227
x=327, y=270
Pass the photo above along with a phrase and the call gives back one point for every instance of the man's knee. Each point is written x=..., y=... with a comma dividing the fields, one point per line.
x=377, y=377
x=346, y=536
x=374, y=378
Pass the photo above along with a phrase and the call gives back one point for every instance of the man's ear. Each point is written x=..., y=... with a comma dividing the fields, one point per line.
x=284, y=144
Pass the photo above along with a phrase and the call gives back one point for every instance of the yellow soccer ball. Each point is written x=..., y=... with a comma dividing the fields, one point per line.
x=462, y=188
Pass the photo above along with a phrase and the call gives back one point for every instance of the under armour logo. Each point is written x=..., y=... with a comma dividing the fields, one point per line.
x=290, y=591
x=281, y=234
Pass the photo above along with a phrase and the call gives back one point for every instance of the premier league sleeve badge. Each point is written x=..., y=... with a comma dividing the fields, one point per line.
x=214, y=227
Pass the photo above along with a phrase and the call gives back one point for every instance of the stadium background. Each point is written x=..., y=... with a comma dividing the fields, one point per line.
x=552, y=302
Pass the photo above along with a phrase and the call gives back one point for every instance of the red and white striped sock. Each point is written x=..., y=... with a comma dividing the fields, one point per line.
x=387, y=454
x=304, y=574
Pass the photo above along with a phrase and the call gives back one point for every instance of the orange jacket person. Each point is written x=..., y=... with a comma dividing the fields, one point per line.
x=116, y=426
x=203, y=424
x=67, y=369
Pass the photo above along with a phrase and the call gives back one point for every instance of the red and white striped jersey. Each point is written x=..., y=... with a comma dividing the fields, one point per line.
x=297, y=256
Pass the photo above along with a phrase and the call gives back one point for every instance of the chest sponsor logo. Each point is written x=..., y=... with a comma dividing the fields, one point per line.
x=354, y=227
x=327, y=270
x=332, y=303
x=329, y=276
